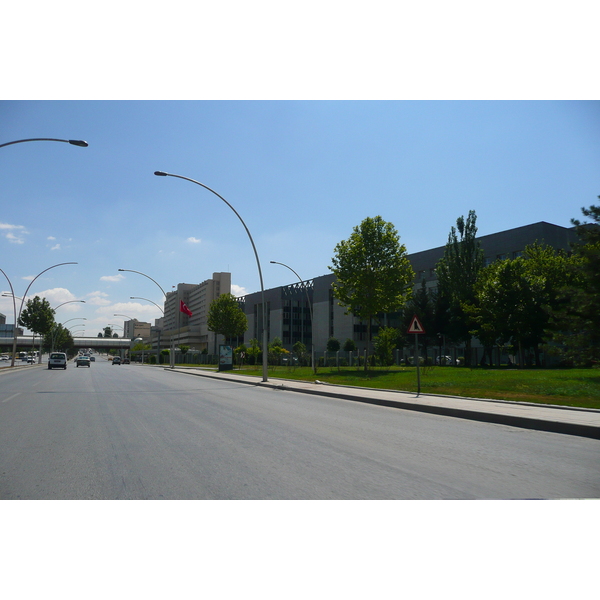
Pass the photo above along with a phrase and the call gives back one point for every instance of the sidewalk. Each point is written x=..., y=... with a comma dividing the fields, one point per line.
x=543, y=417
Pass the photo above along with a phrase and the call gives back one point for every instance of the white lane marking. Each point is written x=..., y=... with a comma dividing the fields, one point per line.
x=10, y=397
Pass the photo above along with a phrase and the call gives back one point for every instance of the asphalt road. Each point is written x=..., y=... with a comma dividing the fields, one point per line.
x=132, y=432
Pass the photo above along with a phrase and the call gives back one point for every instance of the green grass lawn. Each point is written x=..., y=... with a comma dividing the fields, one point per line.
x=570, y=387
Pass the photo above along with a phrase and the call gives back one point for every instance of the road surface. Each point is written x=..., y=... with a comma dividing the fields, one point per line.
x=133, y=432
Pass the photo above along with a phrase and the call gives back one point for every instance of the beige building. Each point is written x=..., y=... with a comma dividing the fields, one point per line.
x=136, y=329
x=192, y=331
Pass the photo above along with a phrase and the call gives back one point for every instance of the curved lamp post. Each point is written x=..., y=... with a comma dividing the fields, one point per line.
x=67, y=302
x=80, y=143
x=262, y=287
x=274, y=262
x=67, y=328
x=148, y=276
x=18, y=315
x=146, y=299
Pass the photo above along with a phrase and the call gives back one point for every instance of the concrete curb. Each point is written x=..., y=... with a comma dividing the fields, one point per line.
x=554, y=425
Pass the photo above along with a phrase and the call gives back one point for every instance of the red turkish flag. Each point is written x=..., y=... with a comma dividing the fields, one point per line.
x=184, y=309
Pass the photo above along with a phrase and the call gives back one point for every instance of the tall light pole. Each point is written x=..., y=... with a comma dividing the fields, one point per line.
x=67, y=302
x=262, y=287
x=18, y=315
x=274, y=262
x=148, y=276
x=146, y=299
x=80, y=143
x=172, y=353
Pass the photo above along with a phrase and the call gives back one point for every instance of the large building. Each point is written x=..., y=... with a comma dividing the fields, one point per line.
x=192, y=331
x=309, y=312
x=136, y=329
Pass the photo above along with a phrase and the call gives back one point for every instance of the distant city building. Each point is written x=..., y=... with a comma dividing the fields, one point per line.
x=191, y=331
x=136, y=329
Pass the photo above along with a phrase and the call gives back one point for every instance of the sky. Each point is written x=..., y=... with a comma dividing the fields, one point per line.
x=301, y=174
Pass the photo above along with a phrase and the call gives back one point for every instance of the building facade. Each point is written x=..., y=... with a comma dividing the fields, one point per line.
x=180, y=329
x=136, y=329
x=310, y=313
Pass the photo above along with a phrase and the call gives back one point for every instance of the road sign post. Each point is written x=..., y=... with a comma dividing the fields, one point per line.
x=416, y=328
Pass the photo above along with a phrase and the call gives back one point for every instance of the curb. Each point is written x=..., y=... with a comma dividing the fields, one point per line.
x=577, y=429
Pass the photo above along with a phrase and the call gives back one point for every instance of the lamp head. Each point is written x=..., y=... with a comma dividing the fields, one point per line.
x=80, y=143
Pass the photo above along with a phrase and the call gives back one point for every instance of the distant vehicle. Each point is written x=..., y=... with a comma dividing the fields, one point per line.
x=443, y=360
x=57, y=360
x=116, y=361
x=92, y=358
x=83, y=361
x=126, y=361
x=31, y=359
x=3, y=357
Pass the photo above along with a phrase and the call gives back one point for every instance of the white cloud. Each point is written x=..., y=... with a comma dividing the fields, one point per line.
x=193, y=240
x=97, y=299
x=55, y=247
x=51, y=238
x=13, y=239
x=238, y=290
x=113, y=278
x=28, y=277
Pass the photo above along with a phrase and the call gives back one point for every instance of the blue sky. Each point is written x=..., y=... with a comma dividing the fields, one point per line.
x=301, y=174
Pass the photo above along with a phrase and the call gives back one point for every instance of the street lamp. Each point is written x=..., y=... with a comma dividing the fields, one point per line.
x=274, y=262
x=262, y=287
x=80, y=143
x=18, y=315
x=67, y=328
x=67, y=302
x=146, y=299
x=148, y=276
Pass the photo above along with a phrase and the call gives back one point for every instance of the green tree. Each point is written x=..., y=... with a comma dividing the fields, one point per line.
x=59, y=338
x=373, y=273
x=226, y=317
x=37, y=316
x=349, y=345
x=108, y=332
x=254, y=350
x=333, y=345
x=457, y=273
x=513, y=298
x=183, y=349
x=386, y=341
x=575, y=321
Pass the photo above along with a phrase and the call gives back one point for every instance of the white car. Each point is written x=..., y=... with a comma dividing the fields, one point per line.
x=57, y=360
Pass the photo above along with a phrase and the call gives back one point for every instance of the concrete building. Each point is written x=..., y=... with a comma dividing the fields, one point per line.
x=136, y=329
x=289, y=315
x=191, y=331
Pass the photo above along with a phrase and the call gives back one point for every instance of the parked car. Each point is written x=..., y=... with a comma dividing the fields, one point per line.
x=116, y=360
x=31, y=359
x=126, y=361
x=83, y=361
x=57, y=360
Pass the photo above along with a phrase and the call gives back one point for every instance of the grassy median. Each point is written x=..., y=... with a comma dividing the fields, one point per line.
x=569, y=387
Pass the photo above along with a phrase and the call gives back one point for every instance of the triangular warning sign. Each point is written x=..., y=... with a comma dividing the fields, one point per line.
x=415, y=326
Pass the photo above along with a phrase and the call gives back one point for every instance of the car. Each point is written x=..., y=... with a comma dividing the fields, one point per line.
x=57, y=360
x=93, y=358
x=116, y=360
x=126, y=361
x=83, y=361
x=31, y=359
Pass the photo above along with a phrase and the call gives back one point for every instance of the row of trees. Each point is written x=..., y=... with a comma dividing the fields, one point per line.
x=546, y=299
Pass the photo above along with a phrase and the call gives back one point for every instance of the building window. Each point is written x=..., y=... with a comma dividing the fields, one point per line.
x=501, y=256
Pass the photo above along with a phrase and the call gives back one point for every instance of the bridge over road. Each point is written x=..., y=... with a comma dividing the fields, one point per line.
x=26, y=342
